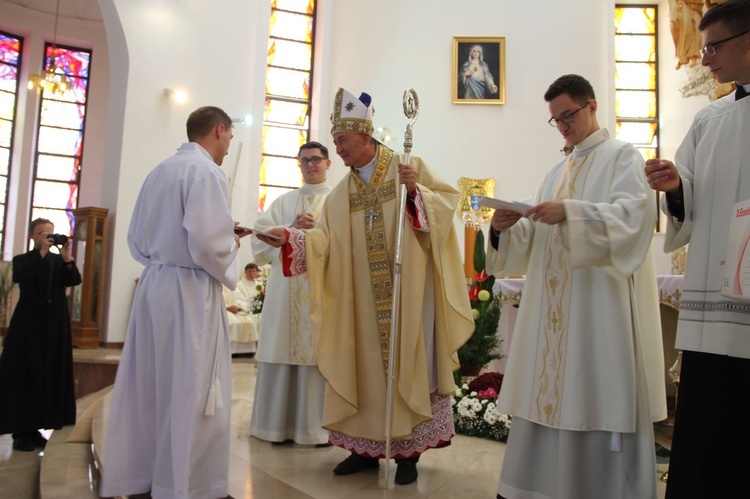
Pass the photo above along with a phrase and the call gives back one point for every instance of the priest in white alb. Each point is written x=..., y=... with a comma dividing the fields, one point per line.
x=168, y=427
x=349, y=257
x=585, y=374
x=289, y=390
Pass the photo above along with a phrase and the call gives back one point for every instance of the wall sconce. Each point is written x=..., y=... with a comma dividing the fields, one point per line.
x=245, y=120
x=177, y=96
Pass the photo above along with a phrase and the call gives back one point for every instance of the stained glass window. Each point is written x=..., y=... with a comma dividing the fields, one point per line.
x=636, y=78
x=60, y=133
x=286, y=119
x=10, y=61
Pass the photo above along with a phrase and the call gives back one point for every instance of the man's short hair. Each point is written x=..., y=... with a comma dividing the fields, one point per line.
x=314, y=145
x=577, y=87
x=734, y=14
x=204, y=119
x=38, y=221
x=251, y=266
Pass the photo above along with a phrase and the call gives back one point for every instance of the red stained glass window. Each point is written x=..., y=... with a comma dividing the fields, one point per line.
x=10, y=61
x=60, y=137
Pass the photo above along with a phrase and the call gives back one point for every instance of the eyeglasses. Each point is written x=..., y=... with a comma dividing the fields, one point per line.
x=567, y=119
x=314, y=160
x=710, y=48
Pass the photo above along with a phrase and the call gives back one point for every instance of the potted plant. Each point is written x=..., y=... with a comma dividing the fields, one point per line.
x=483, y=346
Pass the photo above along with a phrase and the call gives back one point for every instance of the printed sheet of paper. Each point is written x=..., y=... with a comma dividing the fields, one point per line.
x=499, y=204
x=736, y=283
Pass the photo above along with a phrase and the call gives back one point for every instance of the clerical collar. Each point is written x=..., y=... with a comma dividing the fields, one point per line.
x=742, y=91
x=365, y=172
x=591, y=141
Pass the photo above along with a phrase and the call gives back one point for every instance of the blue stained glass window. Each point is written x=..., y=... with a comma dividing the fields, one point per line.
x=60, y=137
x=10, y=61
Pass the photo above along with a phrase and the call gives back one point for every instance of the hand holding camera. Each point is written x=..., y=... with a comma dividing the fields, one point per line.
x=58, y=239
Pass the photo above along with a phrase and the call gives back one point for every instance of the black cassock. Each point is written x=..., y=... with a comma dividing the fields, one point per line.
x=36, y=367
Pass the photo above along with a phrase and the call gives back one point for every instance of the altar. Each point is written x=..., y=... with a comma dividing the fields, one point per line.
x=670, y=290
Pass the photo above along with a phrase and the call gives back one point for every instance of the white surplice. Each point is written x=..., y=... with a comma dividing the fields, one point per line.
x=714, y=163
x=289, y=390
x=585, y=369
x=168, y=428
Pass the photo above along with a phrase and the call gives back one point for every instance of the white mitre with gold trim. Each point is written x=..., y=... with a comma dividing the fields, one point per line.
x=351, y=114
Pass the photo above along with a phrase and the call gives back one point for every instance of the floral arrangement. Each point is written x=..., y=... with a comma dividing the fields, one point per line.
x=475, y=412
x=257, y=304
x=483, y=346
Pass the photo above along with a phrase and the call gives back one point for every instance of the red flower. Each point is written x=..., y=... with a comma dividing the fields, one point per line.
x=481, y=276
x=489, y=393
x=474, y=293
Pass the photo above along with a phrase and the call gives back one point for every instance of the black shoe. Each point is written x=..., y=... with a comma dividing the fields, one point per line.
x=406, y=472
x=23, y=442
x=355, y=463
x=321, y=446
x=285, y=442
x=38, y=440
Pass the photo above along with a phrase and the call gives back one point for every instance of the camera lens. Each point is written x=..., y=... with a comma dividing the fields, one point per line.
x=59, y=239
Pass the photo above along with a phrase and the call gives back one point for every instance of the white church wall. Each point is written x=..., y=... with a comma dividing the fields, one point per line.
x=212, y=53
x=384, y=47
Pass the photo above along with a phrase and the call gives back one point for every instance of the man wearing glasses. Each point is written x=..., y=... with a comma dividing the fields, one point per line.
x=289, y=390
x=710, y=174
x=585, y=373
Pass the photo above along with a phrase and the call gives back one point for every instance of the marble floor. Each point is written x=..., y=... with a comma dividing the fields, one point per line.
x=469, y=468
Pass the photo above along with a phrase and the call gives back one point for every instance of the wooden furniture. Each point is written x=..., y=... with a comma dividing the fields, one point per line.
x=88, y=249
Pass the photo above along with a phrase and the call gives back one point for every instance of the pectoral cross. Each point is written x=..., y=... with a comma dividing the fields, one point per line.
x=371, y=214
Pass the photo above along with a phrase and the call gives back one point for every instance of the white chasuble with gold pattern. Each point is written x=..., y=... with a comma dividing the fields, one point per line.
x=589, y=320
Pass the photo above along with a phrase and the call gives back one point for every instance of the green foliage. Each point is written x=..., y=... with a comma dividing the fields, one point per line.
x=6, y=288
x=483, y=346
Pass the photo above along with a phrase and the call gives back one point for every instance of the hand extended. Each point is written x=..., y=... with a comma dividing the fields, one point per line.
x=548, y=212
x=662, y=176
x=234, y=309
x=504, y=219
x=304, y=220
x=276, y=231
x=407, y=175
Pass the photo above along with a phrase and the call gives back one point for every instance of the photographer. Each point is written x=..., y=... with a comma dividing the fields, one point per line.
x=36, y=366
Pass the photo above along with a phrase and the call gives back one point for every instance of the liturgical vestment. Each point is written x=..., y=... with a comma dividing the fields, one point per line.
x=168, y=428
x=289, y=390
x=585, y=368
x=349, y=260
x=714, y=164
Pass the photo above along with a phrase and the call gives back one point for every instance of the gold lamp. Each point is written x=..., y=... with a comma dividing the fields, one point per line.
x=51, y=80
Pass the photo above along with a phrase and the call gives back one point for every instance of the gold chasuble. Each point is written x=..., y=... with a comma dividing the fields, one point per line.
x=350, y=259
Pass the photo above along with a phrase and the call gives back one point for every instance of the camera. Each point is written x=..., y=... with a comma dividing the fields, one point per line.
x=58, y=239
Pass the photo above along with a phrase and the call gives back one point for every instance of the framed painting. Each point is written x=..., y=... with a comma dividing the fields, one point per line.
x=478, y=70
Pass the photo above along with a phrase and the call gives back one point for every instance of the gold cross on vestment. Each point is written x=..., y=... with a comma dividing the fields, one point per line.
x=371, y=214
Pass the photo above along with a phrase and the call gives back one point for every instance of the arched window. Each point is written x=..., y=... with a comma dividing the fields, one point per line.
x=286, y=119
x=10, y=62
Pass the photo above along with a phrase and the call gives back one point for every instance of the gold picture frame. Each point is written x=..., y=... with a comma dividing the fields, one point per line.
x=478, y=70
